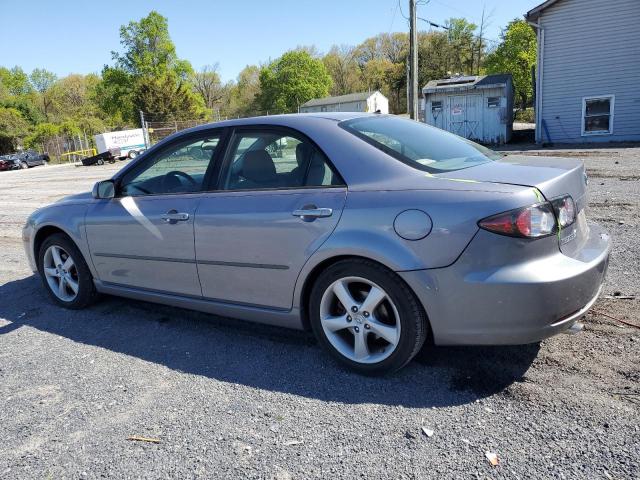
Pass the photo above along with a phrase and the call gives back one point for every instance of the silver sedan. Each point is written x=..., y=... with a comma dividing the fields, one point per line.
x=376, y=232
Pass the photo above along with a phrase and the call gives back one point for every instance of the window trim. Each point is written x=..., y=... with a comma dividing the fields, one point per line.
x=612, y=100
x=152, y=154
x=226, y=160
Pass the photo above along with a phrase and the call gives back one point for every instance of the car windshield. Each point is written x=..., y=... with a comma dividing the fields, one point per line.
x=419, y=145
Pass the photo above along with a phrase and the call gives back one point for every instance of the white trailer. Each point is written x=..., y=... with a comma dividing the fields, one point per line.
x=130, y=143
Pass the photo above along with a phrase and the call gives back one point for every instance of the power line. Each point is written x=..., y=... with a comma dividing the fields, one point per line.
x=393, y=16
x=401, y=12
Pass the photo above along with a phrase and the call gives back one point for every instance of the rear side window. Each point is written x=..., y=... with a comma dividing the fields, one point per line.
x=276, y=160
x=417, y=144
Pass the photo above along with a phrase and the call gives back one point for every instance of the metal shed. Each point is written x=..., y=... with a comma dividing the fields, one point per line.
x=478, y=107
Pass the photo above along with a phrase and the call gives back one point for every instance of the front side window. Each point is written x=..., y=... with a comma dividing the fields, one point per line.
x=597, y=115
x=419, y=145
x=272, y=159
x=179, y=169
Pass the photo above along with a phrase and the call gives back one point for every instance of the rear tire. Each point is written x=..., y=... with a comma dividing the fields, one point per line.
x=381, y=327
x=24, y=165
x=60, y=262
x=132, y=154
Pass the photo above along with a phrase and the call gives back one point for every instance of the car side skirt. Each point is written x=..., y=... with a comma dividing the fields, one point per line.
x=252, y=313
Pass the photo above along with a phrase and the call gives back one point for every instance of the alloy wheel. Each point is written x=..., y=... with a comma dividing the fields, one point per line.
x=360, y=320
x=61, y=273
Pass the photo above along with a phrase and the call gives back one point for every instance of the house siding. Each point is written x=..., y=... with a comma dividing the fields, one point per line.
x=591, y=48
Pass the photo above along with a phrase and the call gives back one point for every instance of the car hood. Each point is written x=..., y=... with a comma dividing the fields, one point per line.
x=83, y=197
x=552, y=176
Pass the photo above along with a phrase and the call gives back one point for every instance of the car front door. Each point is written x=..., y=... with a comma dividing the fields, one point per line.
x=277, y=200
x=143, y=237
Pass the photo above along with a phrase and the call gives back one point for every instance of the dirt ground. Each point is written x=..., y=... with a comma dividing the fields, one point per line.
x=228, y=399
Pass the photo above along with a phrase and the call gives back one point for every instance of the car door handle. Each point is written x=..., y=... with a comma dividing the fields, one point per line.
x=173, y=216
x=309, y=213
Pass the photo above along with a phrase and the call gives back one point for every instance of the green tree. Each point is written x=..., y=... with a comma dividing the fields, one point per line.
x=148, y=48
x=462, y=42
x=114, y=96
x=243, y=95
x=15, y=81
x=344, y=70
x=41, y=134
x=43, y=82
x=291, y=80
x=434, y=53
x=166, y=97
x=206, y=83
x=13, y=127
x=516, y=54
x=148, y=75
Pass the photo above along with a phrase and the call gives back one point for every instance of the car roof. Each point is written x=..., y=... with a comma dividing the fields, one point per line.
x=289, y=119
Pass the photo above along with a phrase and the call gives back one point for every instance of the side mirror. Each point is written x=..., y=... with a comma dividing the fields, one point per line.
x=104, y=189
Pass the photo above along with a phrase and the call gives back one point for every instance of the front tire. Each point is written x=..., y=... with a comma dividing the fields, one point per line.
x=65, y=273
x=24, y=165
x=367, y=317
x=132, y=154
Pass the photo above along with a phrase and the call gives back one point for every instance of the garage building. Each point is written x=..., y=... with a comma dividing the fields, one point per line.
x=478, y=107
x=353, y=102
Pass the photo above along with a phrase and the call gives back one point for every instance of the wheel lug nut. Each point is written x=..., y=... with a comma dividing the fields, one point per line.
x=349, y=318
x=354, y=309
x=356, y=329
x=367, y=326
x=366, y=314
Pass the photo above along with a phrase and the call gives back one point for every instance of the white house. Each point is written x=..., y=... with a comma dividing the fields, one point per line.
x=353, y=102
x=588, y=70
x=477, y=107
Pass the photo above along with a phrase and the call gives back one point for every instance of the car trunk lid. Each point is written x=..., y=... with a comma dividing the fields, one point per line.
x=552, y=177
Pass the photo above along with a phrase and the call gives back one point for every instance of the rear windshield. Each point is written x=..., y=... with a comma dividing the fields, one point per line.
x=419, y=145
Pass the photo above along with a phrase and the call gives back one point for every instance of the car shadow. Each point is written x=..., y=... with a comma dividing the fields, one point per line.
x=260, y=356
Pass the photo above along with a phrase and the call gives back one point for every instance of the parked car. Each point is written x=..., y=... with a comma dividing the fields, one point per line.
x=376, y=232
x=9, y=162
x=31, y=158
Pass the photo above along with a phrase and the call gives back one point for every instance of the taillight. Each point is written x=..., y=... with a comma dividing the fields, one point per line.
x=565, y=209
x=528, y=222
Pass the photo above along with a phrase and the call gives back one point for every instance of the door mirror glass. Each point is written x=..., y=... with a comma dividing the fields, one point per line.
x=104, y=189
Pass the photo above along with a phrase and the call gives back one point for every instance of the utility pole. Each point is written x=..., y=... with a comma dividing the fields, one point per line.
x=144, y=130
x=413, y=62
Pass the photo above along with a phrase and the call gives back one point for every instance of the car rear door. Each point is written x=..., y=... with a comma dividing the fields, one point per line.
x=143, y=238
x=277, y=200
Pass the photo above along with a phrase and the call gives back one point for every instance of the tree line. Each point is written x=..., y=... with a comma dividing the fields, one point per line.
x=147, y=75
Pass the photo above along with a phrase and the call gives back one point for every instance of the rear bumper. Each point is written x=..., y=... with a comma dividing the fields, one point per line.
x=496, y=294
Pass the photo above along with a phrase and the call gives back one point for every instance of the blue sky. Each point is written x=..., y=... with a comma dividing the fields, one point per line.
x=76, y=36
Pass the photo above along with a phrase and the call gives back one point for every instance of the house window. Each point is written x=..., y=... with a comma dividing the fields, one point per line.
x=436, y=106
x=493, y=102
x=597, y=115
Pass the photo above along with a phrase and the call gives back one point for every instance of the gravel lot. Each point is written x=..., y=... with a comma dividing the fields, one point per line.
x=229, y=399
